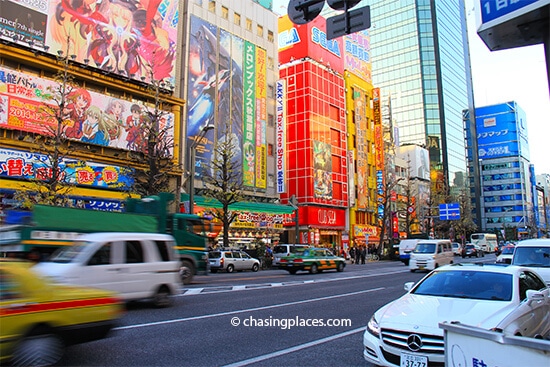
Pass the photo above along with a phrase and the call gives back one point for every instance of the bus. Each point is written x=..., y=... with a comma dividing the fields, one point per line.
x=488, y=242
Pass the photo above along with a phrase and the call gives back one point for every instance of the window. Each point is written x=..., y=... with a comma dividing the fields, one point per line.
x=270, y=150
x=270, y=91
x=134, y=252
x=225, y=12
x=248, y=24
x=260, y=30
x=270, y=120
x=212, y=6
x=102, y=256
x=270, y=63
x=237, y=19
x=163, y=247
x=270, y=37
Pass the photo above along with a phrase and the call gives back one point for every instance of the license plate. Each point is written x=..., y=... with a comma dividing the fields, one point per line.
x=420, y=267
x=411, y=360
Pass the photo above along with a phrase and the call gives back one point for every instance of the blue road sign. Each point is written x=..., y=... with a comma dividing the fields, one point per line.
x=494, y=9
x=449, y=211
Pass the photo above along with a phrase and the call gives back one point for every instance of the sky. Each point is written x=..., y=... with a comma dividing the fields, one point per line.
x=508, y=75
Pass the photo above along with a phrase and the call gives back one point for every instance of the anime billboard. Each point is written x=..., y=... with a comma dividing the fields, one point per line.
x=135, y=39
x=357, y=55
x=227, y=89
x=89, y=117
x=322, y=167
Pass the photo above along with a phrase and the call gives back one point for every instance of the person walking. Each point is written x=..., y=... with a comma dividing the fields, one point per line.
x=352, y=254
x=363, y=254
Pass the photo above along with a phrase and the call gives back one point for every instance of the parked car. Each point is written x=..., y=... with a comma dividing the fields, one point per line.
x=313, y=260
x=39, y=318
x=232, y=260
x=471, y=250
x=506, y=254
x=136, y=265
x=511, y=299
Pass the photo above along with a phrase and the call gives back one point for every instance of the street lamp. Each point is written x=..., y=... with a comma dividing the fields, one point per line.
x=192, y=151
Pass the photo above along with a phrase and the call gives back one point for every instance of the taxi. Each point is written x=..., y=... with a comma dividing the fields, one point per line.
x=313, y=260
x=40, y=318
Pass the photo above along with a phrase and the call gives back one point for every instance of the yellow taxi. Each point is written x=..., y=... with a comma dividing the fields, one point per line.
x=39, y=318
x=313, y=260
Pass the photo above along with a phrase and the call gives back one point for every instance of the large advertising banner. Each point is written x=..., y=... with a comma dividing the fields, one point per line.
x=215, y=92
x=280, y=135
x=322, y=167
x=134, y=39
x=249, y=136
x=261, y=118
x=359, y=100
x=34, y=166
x=357, y=55
x=27, y=103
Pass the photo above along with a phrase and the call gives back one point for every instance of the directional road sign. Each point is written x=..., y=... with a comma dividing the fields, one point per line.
x=449, y=211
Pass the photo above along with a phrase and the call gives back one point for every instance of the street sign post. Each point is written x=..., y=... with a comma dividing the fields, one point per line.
x=449, y=211
x=348, y=22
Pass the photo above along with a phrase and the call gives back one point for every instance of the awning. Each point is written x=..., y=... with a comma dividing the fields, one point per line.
x=243, y=206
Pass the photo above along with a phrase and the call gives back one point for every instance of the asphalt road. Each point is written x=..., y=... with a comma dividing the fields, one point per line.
x=256, y=319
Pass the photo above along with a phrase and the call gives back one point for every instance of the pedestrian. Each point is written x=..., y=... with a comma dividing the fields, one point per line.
x=352, y=254
x=358, y=255
x=363, y=254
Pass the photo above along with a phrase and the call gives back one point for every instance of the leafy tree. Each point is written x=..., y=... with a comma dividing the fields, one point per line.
x=223, y=179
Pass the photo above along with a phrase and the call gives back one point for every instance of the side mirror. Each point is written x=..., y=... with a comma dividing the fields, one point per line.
x=408, y=286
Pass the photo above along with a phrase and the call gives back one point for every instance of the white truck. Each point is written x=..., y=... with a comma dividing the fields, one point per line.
x=405, y=249
x=469, y=346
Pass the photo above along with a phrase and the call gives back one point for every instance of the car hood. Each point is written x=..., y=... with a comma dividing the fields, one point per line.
x=424, y=313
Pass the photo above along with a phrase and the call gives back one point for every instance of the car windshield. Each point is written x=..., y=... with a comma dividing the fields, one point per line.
x=507, y=251
x=467, y=284
x=279, y=249
x=67, y=254
x=532, y=256
x=214, y=255
x=424, y=248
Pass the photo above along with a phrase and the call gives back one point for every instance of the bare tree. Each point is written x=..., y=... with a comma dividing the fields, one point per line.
x=153, y=145
x=52, y=182
x=223, y=179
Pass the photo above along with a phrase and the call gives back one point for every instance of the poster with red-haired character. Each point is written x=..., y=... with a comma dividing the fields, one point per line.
x=132, y=38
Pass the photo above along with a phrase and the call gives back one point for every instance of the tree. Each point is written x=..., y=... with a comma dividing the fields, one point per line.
x=152, y=142
x=51, y=184
x=223, y=179
x=464, y=226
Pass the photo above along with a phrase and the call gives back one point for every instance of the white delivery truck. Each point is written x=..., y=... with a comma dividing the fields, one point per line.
x=405, y=248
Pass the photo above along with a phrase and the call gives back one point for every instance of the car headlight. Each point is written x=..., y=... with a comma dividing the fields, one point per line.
x=373, y=327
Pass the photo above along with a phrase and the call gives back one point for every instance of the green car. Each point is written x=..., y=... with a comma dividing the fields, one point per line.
x=313, y=260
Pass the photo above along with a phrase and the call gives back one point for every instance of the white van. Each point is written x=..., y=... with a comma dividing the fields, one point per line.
x=286, y=249
x=136, y=265
x=431, y=254
x=534, y=254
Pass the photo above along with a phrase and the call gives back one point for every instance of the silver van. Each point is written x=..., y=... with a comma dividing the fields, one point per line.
x=286, y=249
x=431, y=254
x=136, y=265
x=534, y=254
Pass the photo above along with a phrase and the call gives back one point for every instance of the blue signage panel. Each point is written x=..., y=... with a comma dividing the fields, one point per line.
x=449, y=211
x=493, y=9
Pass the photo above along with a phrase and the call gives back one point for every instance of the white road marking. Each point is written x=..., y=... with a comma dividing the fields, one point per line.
x=295, y=348
x=227, y=313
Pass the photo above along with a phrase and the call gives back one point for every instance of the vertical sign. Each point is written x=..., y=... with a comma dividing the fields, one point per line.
x=249, y=146
x=359, y=100
x=280, y=135
x=261, y=117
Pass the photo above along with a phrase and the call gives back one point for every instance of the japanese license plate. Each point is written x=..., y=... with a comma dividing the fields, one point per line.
x=410, y=360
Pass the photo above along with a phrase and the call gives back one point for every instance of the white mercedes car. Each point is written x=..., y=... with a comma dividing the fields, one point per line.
x=405, y=332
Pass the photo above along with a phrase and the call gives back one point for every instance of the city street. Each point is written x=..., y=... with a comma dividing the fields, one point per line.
x=247, y=318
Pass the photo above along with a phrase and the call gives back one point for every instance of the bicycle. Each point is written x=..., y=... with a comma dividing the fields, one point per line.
x=373, y=257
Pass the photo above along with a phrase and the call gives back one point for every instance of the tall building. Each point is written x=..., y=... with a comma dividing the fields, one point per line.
x=508, y=188
x=420, y=59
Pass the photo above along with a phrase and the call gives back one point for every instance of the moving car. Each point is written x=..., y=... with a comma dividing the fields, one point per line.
x=431, y=254
x=511, y=299
x=285, y=249
x=457, y=249
x=135, y=265
x=506, y=254
x=471, y=250
x=313, y=260
x=40, y=318
x=231, y=260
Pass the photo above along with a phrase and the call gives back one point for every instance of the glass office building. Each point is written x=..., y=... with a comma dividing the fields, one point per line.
x=420, y=59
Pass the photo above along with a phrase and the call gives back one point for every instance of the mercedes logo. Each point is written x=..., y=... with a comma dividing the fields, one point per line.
x=414, y=342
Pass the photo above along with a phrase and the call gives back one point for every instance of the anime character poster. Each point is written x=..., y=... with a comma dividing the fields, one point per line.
x=249, y=136
x=215, y=94
x=134, y=38
x=88, y=117
x=361, y=132
x=322, y=168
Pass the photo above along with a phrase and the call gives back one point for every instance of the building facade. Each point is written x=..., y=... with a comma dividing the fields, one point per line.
x=420, y=59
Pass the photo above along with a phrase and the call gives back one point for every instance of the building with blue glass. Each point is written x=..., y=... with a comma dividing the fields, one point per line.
x=507, y=180
x=420, y=59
